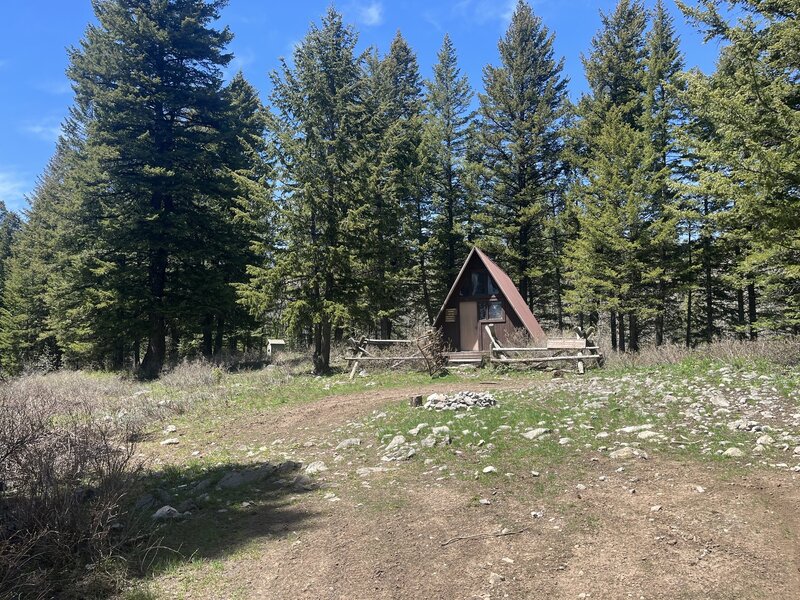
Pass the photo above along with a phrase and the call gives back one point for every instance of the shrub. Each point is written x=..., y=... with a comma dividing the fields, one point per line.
x=65, y=478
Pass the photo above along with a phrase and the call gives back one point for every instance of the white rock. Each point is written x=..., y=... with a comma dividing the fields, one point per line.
x=733, y=453
x=532, y=434
x=635, y=428
x=415, y=431
x=765, y=440
x=646, y=435
x=316, y=467
x=628, y=452
x=564, y=441
x=440, y=430
x=495, y=578
x=397, y=440
x=489, y=469
x=170, y=442
x=170, y=429
x=166, y=512
x=348, y=443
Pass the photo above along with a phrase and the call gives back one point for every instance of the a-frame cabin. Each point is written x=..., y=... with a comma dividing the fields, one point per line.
x=483, y=294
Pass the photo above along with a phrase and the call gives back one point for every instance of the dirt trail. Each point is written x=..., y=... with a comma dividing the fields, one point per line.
x=714, y=536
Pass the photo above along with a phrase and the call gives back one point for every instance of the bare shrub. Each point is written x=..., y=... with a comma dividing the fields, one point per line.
x=64, y=480
x=781, y=351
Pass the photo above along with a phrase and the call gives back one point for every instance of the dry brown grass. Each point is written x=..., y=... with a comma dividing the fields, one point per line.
x=65, y=477
x=779, y=351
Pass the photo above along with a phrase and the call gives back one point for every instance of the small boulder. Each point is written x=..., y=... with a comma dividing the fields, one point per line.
x=348, y=443
x=165, y=513
x=733, y=453
x=315, y=468
x=170, y=442
x=397, y=441
x=533, y=434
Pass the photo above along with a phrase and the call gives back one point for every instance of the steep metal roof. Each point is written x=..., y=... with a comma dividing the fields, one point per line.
x=507, y=289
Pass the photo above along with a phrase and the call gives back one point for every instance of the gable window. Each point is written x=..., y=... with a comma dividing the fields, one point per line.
x=478, y=283
x=490, y=311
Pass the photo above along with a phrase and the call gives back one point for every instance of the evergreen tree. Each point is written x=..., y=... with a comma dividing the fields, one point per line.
x=660, y=121
x=753, y=101
x=149, y=75
x=447, y=119
x=318, y=129
x=25, y=332
x=610, y=197
x=521, y=117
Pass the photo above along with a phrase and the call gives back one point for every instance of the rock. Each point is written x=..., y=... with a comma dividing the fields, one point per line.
x=436, y=398
x=166, y=513
x=288, y=466
x=397, y=441
x=428, y=442
x=170, y=429
x=495, y=578
x=635, y=428
x=655, y=508
x=758, y=449
x=485, y=501
x=348, y=443
x=201, y=486
x=564, y=441
x=440, y=430
x=646, y=435
x=145, y=502
x=580, y=487
x=234, y=479
x=765, y=440
x=170, y=442
x=367, y=471
x=316, y=468
x=628, y=452
x=533, y=434
x=187, y=505
x=733, y=453
x=489, y=469
x=302, y=483
x=415, y=431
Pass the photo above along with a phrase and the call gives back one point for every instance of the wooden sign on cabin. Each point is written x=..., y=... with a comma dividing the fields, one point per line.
x=484, y=294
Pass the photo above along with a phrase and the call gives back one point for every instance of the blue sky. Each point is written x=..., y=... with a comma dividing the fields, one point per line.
x=35, y=34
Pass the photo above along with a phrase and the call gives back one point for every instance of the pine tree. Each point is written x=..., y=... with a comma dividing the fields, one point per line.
x=447, y=119
x=25, y=332
x=318, y=127
x=521, y=117
x=752, y=102
x=663, y=65
x=610, y=197
x=149, y=75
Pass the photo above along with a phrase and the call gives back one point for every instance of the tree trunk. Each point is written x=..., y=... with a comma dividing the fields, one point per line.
x=154, y=357
x=634, y=332
x=613, y=330
x=621, y=333
x=689, y=318
x=740, y=313
x=751, y=310
x=174, y=344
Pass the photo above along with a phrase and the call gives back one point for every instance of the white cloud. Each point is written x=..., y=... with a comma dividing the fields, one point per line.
x=47, y=130
x=484, y=11
x=369, y=14
x=13, y=188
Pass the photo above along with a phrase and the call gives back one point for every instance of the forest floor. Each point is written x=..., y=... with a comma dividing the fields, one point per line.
x=632, y=491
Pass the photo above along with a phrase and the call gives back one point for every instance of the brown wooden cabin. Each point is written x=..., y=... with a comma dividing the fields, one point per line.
x=483, y=294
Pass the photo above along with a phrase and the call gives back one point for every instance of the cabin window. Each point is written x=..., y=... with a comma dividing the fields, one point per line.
x=490, y=311
x=479, y=284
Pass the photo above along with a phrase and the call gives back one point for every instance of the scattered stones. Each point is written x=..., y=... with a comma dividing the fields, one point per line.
x=533, y=434
x=315, y=468
x=396, y=442
x=166, y=513
x=733, y=452
x=628, y=452
x=460, y=401
x=495, y=578
x=415, y=431
x=348, y=443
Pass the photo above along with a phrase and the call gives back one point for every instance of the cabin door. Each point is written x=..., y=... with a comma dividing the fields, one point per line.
x=468, y=325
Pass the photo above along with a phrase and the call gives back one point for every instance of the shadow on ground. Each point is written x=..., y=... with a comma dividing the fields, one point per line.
x=220, y=510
